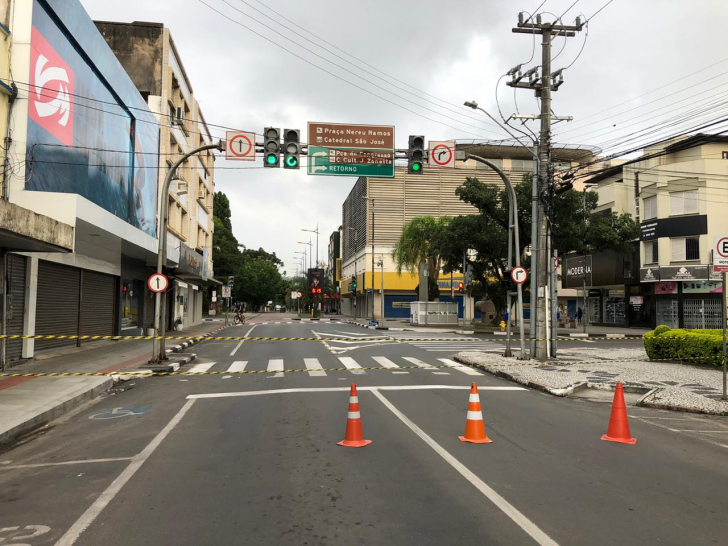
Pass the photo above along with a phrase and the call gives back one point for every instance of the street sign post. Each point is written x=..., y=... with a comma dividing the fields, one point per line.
x=442, y=154
x=519, y=275
x=240, y=146
x=158, y=283
x=337, y=149
x=720, y=264
x=226, y=292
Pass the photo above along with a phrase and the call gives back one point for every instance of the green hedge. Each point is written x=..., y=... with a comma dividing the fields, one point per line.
x=699, y=346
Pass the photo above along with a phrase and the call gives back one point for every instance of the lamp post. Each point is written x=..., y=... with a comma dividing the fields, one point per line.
x=316, y=231
x=159, y=353
x=371, y=200
x=534, y=226
x=310, y=250
x=584, y=313
x=356, y=238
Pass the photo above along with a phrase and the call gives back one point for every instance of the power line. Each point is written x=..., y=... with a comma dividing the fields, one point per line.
x=349, y=82
x=600, y=9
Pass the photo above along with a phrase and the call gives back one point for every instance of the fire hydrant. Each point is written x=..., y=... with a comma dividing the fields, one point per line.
x=503, y=325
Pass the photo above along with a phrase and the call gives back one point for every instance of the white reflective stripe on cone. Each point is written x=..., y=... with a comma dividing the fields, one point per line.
x=474, y=398
x=357, y=415
x=475, y=416
x=353, y=400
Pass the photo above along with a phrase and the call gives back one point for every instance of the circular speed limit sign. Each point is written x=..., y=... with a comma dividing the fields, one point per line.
x=158, y=283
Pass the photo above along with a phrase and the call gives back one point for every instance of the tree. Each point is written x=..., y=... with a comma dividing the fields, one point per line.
x=420, y=243
x=226, y=255
x=487, y=232
x=259, y=282
x=263, y=255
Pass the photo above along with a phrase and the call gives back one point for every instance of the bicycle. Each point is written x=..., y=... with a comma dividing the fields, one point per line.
x=239, y=318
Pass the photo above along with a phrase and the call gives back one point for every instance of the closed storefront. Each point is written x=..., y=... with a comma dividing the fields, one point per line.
x=16, y=304
x=57, y=304
x=72, y=301
x=97, y=304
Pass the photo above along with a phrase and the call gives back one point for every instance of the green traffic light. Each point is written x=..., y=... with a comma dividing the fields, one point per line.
x=416, y=167
x=291, y=161
x=271, y=159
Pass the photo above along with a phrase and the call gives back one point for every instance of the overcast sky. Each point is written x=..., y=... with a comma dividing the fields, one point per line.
x=442, y=53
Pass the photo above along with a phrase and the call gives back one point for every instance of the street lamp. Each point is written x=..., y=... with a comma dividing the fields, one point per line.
x=534, y=225
x=371, y=199
x=310, y=251
x=316, y=231
x=159, y=353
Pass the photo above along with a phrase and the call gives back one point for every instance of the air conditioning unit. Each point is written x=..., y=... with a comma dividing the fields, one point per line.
x=178, y=119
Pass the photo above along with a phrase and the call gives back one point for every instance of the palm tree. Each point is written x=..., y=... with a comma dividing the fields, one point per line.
x=419, y=243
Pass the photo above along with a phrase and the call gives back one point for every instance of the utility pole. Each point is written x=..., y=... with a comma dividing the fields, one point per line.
x=543, y=85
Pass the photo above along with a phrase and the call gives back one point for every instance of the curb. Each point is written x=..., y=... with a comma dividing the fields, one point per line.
x=189, y=343
x=60, y=408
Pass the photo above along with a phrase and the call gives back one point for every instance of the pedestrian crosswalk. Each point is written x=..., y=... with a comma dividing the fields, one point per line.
x=313, y=367
x=452, y=347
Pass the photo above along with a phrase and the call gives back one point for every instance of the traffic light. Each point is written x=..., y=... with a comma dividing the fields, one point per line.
x=271, y=147
x=415, y=154
x=353, y=284
x=461, y=287
x=291, y=148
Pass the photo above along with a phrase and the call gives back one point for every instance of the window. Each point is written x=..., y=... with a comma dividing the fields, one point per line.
x=725, y=155
x=482, y=166
x=651, y=256
x=683, y=250
x=650, y=207
x=521, y=164
x=684, y=202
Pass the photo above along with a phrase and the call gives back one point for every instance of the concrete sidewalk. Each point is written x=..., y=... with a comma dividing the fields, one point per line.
x=29, y=402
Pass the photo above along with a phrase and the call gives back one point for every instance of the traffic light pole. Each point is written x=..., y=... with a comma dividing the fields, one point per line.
x=513, y=237
x=159, y=353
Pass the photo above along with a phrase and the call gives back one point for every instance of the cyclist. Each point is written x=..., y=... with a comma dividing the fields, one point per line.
x=239, y=317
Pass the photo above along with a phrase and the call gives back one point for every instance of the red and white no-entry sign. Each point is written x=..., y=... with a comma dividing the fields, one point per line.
x=442, y=154
x=519, y=275
x=158, y=283
x=240, y=145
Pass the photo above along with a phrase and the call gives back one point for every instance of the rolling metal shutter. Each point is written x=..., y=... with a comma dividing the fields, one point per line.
x=16, y=282
x=57, y=304
x=98, y=306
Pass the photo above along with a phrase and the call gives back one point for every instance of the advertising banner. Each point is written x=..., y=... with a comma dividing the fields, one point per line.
x=315, y=281
x=89, y=130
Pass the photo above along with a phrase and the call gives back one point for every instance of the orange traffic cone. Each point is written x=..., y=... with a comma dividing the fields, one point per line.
x=618, y=430
x=354, y=435
x=474, y=426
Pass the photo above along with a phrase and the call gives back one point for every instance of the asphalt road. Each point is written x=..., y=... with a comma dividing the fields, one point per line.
x=252, y=458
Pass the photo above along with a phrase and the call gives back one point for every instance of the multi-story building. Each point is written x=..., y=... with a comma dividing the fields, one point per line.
x=332, y=300
x=378, y=208
x=149, y=55
x=81, y=159
x=676, y=191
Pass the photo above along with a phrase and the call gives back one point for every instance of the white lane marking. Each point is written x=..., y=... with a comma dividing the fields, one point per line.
x=238, y=366
x=276, y=365
x=227, y=376
x=235, y=350
x=384, y=362
x=199, y=368
x=88, y=517
x=351, y=364
x=314, y=367
x=348, y=389
x=459, y=367
x=400, y=372
x=701, y=438
x=441, y=373
x=64, y=463
x=417, y=362
x=507, y=508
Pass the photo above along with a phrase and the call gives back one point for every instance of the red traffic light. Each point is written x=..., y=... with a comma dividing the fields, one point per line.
x=460, y=287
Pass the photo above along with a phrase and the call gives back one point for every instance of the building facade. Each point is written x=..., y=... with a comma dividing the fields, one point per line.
x=377, y=210
x=81, y=159
x=675, y=191
x=163, y=82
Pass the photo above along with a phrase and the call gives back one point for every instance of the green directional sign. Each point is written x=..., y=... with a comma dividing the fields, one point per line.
x=337, y=149
x=350, y=162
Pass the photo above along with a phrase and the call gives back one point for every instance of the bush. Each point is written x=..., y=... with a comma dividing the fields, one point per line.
x=695, y=346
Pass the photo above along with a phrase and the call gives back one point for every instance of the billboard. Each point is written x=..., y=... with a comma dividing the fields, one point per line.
x=315, y=281
x=89, y=130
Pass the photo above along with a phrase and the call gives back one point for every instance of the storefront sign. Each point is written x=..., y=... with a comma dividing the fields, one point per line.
x=636, y=300
x=702, y=287
x=649, y=274
x=595, y=293
x=684, y=272
x=683, y=226
x=400, y=305
x=190, y=261
x=666, y=287
x=577, y=272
